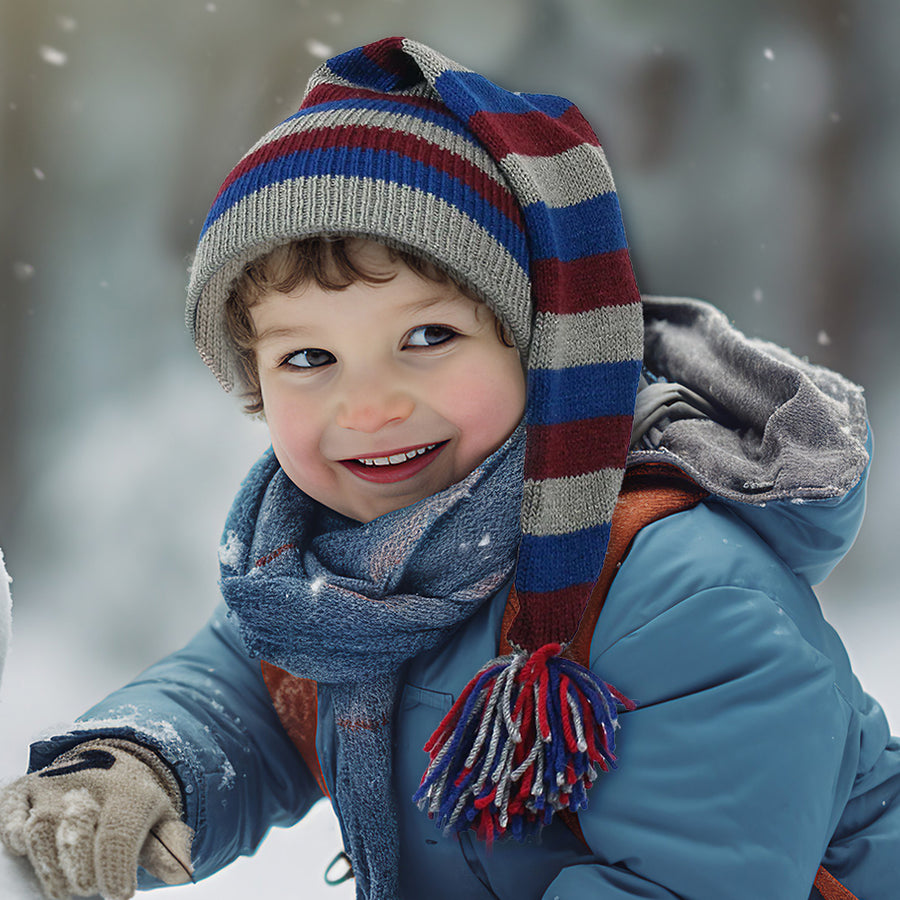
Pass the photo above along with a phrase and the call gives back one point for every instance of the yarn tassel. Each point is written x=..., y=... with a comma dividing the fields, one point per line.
x=527, y=737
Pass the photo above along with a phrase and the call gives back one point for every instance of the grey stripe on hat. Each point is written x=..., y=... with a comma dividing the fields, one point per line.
x=572, y=176
x=608, y=334
x=430, y=61
x=323, y=75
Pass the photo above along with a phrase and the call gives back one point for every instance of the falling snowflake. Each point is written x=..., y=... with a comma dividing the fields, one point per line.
x=23, y=270
x=211, y=7
x=318, y=49
x=769, y=53
x=823, y=338
x=39, y=173
x=53, y=56
x=66, y=23
x=757, y=295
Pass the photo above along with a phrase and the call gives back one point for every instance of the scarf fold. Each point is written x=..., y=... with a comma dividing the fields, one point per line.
x=349, y=603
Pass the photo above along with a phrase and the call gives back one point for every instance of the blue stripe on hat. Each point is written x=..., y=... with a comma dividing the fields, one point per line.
x=473, y=93
x=566, y=395
x=467, y=93
x=542, y=554
x=549, y=104
x=355, y=66
x=571, y=232
x=375, y=165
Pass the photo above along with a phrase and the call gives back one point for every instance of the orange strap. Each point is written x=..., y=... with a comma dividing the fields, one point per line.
x=829, y=888
x=296, y=700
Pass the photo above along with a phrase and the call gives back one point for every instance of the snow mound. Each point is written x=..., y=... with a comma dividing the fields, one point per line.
x=5, y=612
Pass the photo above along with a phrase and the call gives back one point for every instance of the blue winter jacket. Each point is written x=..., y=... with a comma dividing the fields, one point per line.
x=754, y=754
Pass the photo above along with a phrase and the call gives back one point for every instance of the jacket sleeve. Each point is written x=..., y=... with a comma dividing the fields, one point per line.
x=206, y=711
x=741, y=749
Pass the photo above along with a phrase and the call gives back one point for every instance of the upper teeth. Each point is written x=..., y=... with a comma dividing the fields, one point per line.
x=396, y=458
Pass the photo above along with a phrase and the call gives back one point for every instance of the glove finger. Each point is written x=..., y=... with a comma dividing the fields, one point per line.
x=15, y=808
x=166, y=853
x=121, y=833
x=40, y=841
x=75, y=839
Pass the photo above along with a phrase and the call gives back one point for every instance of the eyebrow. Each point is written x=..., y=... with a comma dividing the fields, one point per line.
x=282, y=332
x=416, y=306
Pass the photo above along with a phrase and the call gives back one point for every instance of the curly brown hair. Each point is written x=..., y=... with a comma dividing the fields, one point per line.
x=323, y=260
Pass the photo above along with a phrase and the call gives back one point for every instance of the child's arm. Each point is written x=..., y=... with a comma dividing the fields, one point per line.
x=206, y=711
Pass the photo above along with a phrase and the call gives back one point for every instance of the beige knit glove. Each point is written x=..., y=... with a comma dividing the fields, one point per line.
x=90, y=818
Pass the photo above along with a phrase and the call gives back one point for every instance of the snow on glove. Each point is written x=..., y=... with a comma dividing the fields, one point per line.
x=91, y=817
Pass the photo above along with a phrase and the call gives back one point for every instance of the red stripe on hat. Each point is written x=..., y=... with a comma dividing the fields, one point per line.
x=532, y=133
x=579, y=447
x=375, y=139
x=605, y=279
x=389, y=55
x=330, y=93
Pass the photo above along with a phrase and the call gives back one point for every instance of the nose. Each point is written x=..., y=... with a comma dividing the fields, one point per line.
x=370, y=401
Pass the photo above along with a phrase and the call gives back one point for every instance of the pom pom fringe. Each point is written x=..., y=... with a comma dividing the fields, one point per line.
x=527, y=737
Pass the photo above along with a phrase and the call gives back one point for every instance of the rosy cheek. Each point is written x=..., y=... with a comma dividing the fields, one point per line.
x=489, y=403
x=286, y=426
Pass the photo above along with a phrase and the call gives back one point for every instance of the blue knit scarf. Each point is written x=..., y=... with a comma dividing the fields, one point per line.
x=348, y=604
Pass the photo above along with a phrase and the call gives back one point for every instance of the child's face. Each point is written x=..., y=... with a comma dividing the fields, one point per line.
x=407, y=370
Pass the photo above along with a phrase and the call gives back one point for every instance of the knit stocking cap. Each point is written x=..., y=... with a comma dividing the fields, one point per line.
x=511, y=195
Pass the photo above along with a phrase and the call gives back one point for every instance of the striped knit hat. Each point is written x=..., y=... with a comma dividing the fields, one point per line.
x=511, y=195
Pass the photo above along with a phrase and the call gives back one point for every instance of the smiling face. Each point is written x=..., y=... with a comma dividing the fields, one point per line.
x=379, y=395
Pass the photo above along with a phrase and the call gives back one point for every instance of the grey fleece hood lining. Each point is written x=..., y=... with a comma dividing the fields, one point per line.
x=770, y=426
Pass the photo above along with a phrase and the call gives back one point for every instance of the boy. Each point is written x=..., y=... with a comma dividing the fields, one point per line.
x=421, y=280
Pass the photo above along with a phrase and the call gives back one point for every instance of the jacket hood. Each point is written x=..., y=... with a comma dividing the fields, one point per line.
x=784, y=442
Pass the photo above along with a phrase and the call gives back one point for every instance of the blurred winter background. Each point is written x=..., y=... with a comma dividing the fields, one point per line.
x=755, y=146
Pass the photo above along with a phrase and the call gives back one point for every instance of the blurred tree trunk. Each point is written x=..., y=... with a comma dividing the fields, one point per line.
x=20, y=25
x=835, y=255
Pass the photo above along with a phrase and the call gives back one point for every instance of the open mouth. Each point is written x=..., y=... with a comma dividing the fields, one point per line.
x=397, y=466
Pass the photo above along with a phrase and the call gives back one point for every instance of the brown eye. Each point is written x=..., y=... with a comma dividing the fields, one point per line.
x=311, y=358
x=429, y=336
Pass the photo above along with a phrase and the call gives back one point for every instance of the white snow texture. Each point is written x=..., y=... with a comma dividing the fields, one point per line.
x=5, y=612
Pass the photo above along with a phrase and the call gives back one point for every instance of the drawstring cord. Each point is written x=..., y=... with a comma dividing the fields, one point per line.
x=345, y=876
